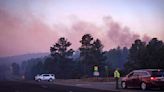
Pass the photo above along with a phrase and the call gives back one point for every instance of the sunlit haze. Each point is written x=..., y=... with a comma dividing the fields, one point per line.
x=32, y=26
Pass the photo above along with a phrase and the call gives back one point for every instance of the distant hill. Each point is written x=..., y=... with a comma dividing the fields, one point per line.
x=19, y=58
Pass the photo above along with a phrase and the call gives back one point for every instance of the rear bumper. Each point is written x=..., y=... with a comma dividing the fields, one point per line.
x=156, y=84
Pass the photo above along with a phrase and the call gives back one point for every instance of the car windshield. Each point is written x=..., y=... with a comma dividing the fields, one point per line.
x=157, y=73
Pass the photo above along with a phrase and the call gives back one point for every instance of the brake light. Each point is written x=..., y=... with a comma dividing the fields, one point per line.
x=153, y=78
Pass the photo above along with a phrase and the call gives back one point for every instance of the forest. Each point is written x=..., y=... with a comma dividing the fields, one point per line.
x=67, y=63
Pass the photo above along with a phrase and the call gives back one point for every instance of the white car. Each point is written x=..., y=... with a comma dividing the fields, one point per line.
x=47, y=77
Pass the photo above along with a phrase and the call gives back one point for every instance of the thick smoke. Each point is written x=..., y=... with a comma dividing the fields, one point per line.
x=119, y=35
x=28, y=33
x=19, y=36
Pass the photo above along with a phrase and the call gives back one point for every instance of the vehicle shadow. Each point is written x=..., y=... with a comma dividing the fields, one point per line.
x=139, y=90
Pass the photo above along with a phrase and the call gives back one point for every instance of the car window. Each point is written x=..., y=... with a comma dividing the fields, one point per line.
x=144, y=74
x=46, y=75
x=157, y=73
x=131, y=74
x=136, y=74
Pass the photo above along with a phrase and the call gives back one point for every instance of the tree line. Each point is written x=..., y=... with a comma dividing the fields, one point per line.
x=64, y=62
x=146, y=55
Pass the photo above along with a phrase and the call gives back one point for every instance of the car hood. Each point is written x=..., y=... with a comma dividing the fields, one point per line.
x=123, y=78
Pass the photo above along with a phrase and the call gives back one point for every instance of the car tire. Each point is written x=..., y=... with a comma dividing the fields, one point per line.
x=143, y=86
x=50, y=80
x=123, y=85
x=39, y=80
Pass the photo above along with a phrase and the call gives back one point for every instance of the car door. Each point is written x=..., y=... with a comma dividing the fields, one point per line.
x=45, y=77
x=41, y=77
x=129, y=79
x=136, y=79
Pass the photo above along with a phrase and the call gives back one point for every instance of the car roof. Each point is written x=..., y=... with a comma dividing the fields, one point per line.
x=149, y=70
x=47, y=74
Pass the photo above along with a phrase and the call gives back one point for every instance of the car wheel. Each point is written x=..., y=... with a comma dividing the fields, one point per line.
x=143, y=86
x=50, y=80
x=123, y=85
x=39, y=80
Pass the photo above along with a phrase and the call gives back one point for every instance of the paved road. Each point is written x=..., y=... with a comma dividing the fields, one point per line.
x=101, y=85
x=30, y=86
x=63, y=86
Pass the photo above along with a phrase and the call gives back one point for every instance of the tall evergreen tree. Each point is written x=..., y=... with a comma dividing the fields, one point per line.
x=154, y=57
x=85, y=52
x=91, y=54
x=62, y=55
x=136, y=54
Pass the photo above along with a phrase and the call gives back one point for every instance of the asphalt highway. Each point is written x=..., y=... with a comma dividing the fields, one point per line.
x=28, y=86
x=59, y=86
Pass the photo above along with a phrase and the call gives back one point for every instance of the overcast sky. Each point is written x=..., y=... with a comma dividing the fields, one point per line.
x=32, y=26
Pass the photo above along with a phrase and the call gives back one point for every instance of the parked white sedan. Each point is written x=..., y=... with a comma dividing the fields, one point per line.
x=45, y=77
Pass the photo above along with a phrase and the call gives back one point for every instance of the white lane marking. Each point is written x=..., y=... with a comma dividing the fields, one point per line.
x=82, y=84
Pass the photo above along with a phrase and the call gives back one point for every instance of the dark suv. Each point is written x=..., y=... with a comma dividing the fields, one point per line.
x=144, y=78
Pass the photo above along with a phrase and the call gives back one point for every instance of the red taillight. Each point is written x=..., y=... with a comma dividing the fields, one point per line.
x=153, y=78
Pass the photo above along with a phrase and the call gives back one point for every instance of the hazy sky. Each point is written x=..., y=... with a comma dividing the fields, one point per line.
x=32, y=26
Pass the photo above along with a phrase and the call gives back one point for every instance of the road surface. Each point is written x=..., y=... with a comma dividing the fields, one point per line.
x=32, y=86
x=63, y=86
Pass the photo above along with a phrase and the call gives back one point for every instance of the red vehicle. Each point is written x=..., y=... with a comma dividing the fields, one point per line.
x=144, y=78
